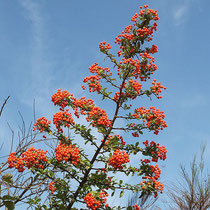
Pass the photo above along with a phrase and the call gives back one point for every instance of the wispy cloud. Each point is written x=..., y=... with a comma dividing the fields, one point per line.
x=33, y=13
x=41, y=60
x=40, y=78
x=180, y=14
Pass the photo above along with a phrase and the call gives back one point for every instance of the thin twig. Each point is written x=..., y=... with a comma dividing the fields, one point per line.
x=5, y=101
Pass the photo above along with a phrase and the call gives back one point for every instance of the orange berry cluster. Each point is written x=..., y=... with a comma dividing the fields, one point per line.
x=141, y=70
x=117, y=96
x=129, y=34
x=136, y=207
x=97, y=69
x=143, y=32
x=67, y=152
x=103, y=195
x=103, y=46
x=93, y=82
x=126, y=34
x=145, y=161
x=157, y=88
x=42, y=124
x=136, y=87
x=118, y=159
x=119, y=53
x=148, y=66
x=95, y=114
x=130, y=39
x=61, y=98
x=155, y=150
x=153, y=49
x=52, y=188
x=98, y=117
x=134, y=63
x=84, y=105
x=154, y=117
x=135, y=134
x=18, y=163
x=30, y=158
x=93, y=203
x=62, y=119
x=152, y=175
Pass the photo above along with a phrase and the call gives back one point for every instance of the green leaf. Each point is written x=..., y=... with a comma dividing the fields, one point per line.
x=112, y=193
x=8, y=197
x=129, y=208
x=7, y=178
x=126, y=107
x=101, y=130
x=9, y=204
x=121, y=193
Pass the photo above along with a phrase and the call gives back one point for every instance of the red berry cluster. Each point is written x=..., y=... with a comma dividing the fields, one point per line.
x=147, y=69
x=42, y=124
x=141, y=70
x=136, y=87
x=61, y=98
x=52, y=187
x=134, y=34
x=135, y=134
x=136, y=207
x=93, y=203
x=98, y=70
x=117, y=95
x=155, y=151
x=154, y=117
x=83, y=104
x=152, y=174
x=104, y=46
x=18, y=163
x=93, y=82
x=67, y=153
x=154, y=49
x=98, y=117
x=118, y=159
x=62, y=119
x=157, y=88
x=95, y=114
x=143, y=33
x=103, y=195
x=30, y=158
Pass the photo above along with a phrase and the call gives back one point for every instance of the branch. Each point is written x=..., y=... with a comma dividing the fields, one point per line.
x=4, y=105
x=84, y=180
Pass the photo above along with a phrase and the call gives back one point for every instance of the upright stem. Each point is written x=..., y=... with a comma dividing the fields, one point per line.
x=99, y=148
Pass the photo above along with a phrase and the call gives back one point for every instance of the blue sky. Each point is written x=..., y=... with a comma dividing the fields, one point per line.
x=47, y=45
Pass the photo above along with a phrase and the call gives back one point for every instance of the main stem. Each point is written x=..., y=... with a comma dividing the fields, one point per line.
x=99, y=149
